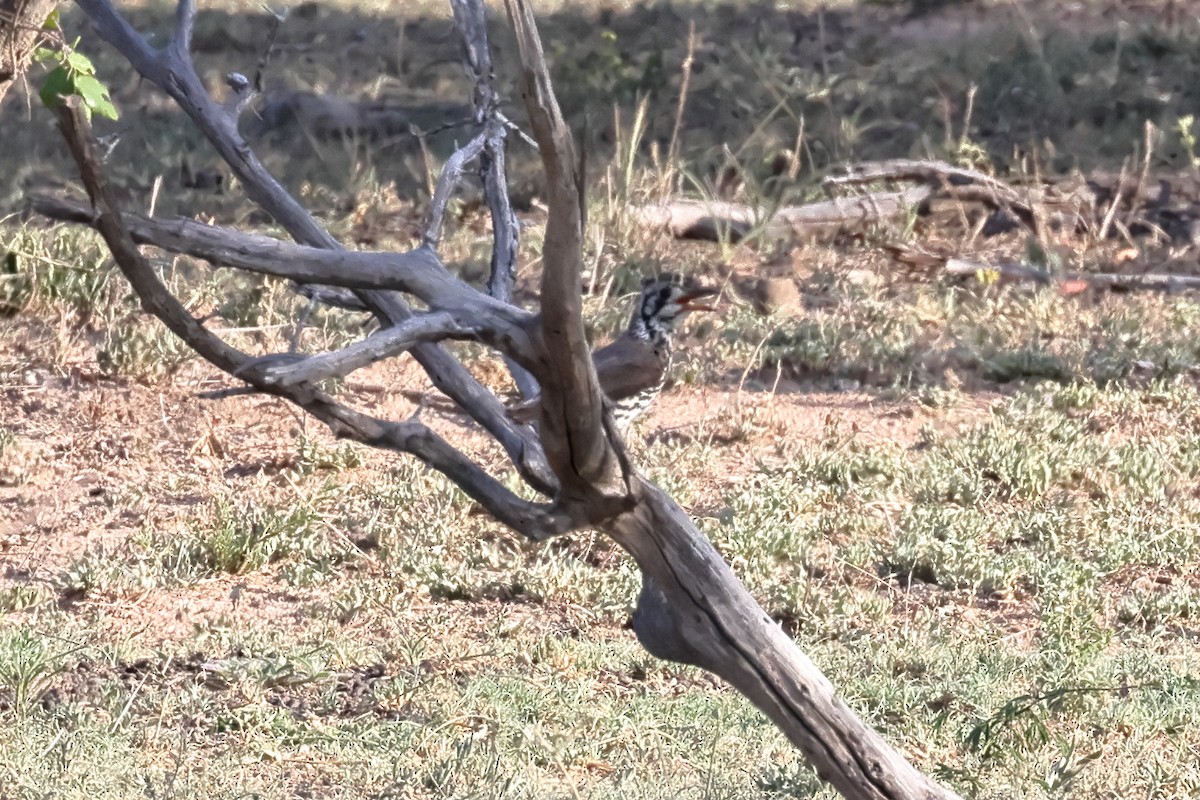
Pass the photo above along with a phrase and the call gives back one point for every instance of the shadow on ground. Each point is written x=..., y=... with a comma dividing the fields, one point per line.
x=775, y=96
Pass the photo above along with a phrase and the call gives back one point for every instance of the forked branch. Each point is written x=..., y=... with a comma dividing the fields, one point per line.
x=534, y=520
x=692, y=608
x=171, y=69
x=572, y=408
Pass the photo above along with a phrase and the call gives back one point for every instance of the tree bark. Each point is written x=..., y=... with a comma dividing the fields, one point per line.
x=694, y=610
x=20, y=23
x=692, y=607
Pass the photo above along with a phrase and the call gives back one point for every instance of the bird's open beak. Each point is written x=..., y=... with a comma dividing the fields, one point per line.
x=688, y=299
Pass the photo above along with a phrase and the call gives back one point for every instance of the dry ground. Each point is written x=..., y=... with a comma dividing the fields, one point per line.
x=976, y=506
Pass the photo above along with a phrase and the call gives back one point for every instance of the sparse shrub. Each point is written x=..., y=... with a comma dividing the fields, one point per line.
x=18, y=458
x=1153, y=609
x=316, y=457
x=951, y=548
x=28, y=665
x=142, y=350
x=242, y=537
x=57, y=267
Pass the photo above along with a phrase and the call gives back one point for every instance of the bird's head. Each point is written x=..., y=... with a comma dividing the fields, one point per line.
x=665, y=299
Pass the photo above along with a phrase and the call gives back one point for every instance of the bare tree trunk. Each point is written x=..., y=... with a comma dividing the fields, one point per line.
x=20, y=22
x=694, y=610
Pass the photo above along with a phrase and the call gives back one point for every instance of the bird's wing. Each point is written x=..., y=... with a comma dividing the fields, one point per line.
x=624, y=368
x=629, y=366
x=525, y=411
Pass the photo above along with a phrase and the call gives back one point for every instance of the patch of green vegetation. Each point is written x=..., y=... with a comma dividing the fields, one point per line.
x=142, y=349
x=19, y=458
x=243, y=538
x=959, y=594
x=910, y=334
x=29, y=663
x=65, y=268
x=1152, y=609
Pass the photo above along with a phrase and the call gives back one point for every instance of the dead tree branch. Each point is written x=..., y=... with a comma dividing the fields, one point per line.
x=447, y=183
x=712, y=221
x=534, y=520
x=1029, y=204
x=470, y=16
x=416, y=272
x=1099, y=280
x=692, y=607
x=956, y=182
x=171, y=69
x=434, y=326
x=572, y=408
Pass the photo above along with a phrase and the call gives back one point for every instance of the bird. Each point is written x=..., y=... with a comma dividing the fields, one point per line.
x=633, y=368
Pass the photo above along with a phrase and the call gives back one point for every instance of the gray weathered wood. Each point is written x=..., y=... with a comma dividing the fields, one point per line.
x=171, y=69
x=535, y=520
x=1163, y=282
x=714, y=220
x=692, y=608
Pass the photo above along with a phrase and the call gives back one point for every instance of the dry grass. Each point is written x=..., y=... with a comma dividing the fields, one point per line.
x=977, y=507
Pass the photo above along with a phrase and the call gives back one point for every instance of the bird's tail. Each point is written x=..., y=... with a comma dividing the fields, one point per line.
x=525, y=412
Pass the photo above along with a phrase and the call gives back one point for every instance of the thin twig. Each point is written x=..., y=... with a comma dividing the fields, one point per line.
x=685, y=81
x=470, y=16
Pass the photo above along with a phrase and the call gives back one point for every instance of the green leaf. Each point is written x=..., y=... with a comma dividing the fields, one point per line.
x=95, y=95
x=80, y=63
x=51, y=23
x=59, y=84
x=106, y=108
x=43, y=54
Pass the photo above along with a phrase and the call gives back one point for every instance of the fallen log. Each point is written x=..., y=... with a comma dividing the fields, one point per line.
x=1033, y=204
x=965, y=184
x=1071, y=282
x=715, y=220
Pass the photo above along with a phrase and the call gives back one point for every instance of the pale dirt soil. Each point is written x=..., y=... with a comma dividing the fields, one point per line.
x=113, y=456
x=109, y=457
